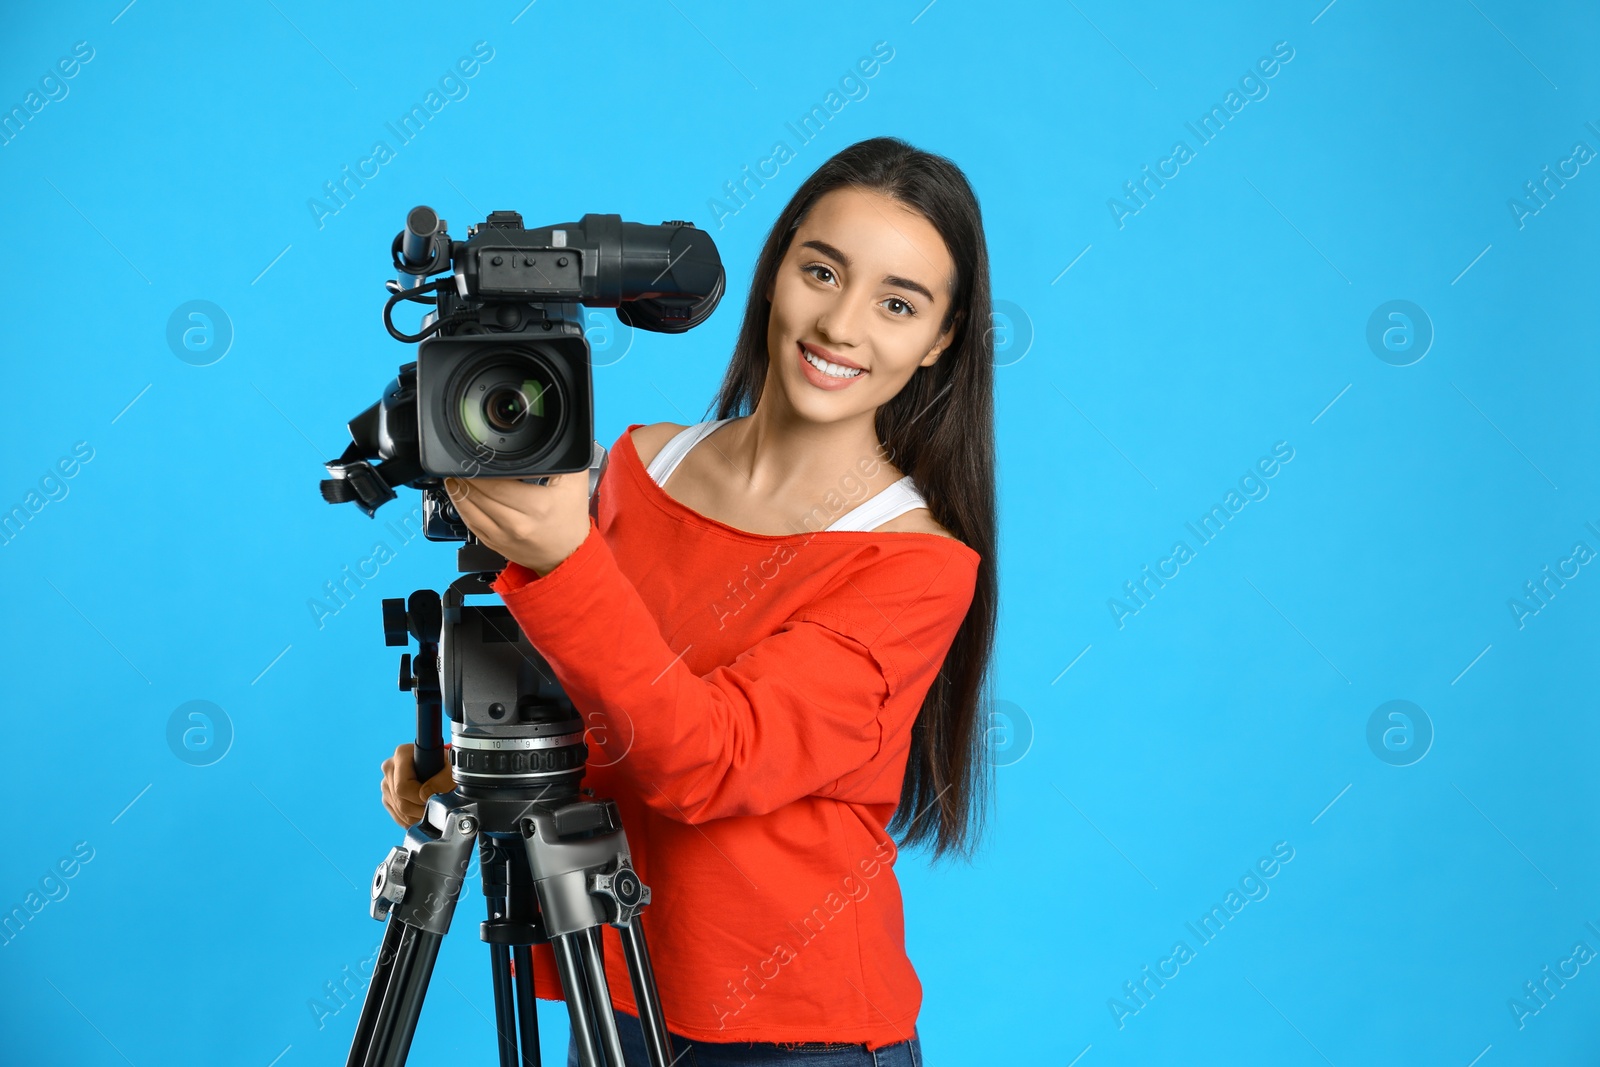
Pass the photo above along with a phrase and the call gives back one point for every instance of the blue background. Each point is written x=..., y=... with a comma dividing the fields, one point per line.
x=1228, y=313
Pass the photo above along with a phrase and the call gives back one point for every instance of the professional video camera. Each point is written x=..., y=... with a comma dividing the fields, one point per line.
x=501, y=386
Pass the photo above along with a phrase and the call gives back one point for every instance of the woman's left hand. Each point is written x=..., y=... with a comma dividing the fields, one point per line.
x=537, y=526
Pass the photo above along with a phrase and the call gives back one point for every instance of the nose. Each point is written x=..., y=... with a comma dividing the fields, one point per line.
x=842, y=324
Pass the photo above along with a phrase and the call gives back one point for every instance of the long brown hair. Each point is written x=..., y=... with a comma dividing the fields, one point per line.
x=940, y=430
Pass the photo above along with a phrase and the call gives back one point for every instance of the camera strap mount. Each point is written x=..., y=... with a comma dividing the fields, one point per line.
x=369, y=486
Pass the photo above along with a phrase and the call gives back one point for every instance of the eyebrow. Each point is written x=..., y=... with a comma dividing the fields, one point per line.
x=889, y=279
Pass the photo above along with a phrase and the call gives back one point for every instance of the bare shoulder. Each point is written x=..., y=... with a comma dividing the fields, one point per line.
x=648, y=440
x=918, y=520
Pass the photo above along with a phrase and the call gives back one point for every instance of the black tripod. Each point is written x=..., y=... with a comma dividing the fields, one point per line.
x=554, y=861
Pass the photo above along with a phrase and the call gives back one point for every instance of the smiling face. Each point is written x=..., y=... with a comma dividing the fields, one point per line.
x=856, y=305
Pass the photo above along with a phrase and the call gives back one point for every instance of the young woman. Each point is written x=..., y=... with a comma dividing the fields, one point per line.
x=779, y=625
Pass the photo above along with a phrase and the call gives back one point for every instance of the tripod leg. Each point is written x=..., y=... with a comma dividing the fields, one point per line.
x=595, y=972
x=504, y=1005
x=372, y=1001
x=388, y=996
x=513, y=917
x=585, y=1017
x=410, y=1002
x=527, y=1006
x=643, y=977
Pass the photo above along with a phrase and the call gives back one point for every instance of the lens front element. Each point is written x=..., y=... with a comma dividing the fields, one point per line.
x=509, y=407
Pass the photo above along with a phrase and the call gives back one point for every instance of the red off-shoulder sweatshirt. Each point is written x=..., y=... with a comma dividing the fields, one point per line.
x=749, y=700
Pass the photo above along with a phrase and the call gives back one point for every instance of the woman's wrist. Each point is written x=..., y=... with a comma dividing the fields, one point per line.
x=523, y=571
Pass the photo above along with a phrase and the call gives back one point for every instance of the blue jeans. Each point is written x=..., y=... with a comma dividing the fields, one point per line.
x=692, y=1053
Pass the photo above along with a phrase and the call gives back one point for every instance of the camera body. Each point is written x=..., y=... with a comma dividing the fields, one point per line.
x=502, y=384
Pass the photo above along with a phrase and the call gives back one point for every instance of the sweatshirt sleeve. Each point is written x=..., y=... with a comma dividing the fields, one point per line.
x=788, y=717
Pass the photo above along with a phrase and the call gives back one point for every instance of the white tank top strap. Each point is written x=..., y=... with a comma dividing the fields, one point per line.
x=893, y=502
x=666, y=461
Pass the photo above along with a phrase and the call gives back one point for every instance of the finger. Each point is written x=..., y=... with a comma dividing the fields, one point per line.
x=476, y=491
x=418, y=795
x=399, y=800
x=465, y=501
x=512, y=493
x=458, y=490
x=458, y=486
x=487, y=493
x=404, y=770
x=474, y=520
x=442, y=782
x=411, y=809
x=469, y=489
x=492, y=509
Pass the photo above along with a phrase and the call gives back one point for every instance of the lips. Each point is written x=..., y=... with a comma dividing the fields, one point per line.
x=819, y=376
x=823, y=353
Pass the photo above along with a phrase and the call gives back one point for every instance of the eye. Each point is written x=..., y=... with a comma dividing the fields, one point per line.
x=897, y=302
x=810, y=267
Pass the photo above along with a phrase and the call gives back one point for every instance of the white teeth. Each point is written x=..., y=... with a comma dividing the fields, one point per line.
x=832, y=370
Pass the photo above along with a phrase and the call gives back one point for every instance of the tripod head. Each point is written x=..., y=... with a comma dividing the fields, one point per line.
x=513, y=731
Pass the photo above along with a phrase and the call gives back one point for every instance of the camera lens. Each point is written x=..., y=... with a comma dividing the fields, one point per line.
x=504, y=406
x=509, y=407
